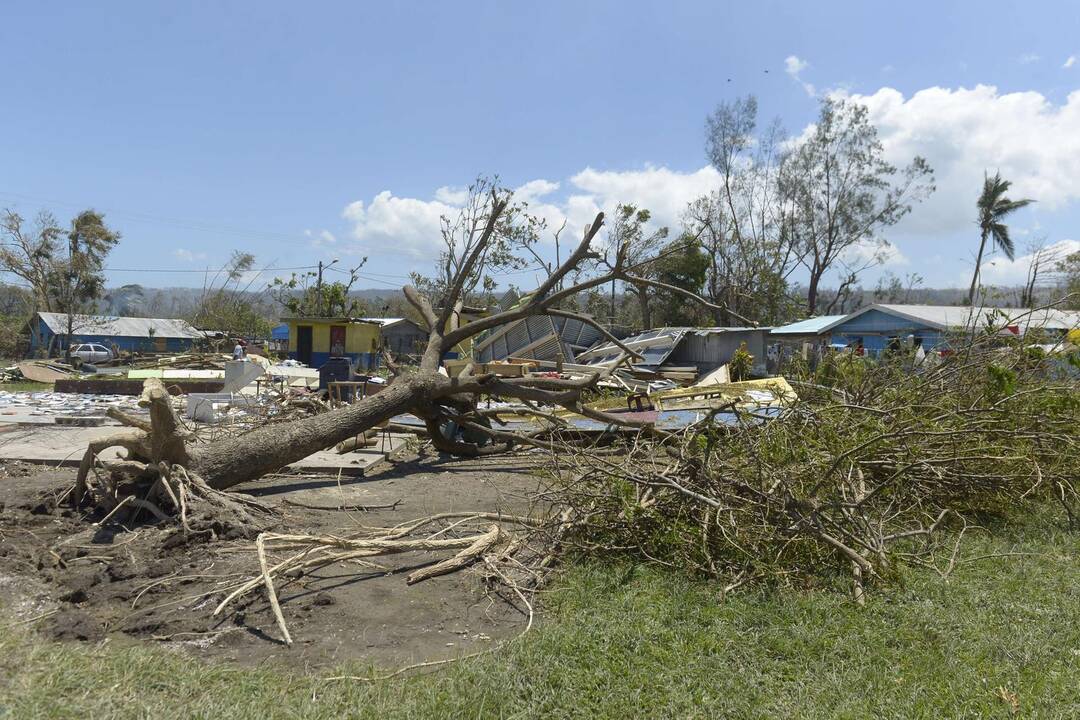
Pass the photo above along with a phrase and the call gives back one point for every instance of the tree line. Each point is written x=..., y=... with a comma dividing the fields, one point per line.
x=788, y=217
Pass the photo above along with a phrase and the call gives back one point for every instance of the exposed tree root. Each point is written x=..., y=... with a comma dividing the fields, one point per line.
x=506, y=555
x=153, y=479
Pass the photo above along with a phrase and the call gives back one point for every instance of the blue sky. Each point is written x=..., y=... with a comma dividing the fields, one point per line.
x=200, y=128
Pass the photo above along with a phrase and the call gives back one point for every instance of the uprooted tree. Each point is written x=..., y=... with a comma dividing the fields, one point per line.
x=166, y=465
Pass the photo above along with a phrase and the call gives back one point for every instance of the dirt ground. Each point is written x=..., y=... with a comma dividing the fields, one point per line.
x=78, y=582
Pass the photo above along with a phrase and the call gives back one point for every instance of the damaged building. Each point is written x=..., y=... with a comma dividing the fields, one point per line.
x=540, y=337
x=685, y=350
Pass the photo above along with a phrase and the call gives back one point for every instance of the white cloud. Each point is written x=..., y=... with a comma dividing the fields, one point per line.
x=871, y=253
x=321, y=239
x=407, y=225
x=1032, y=141
x=188, y=255
x=534, y=190
x=1069, y=62
x=665, y=192
x=1028, y=58
x=451, y=195
x=411, y=225
x=794, y=66
x=999, y=270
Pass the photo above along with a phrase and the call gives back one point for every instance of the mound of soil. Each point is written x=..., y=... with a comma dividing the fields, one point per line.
x=81, y=582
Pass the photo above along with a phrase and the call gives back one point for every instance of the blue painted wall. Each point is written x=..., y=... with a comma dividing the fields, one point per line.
x=43, y=336
x=875, y=329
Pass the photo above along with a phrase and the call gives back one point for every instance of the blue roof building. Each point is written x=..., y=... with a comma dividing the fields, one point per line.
x=805, y=330
x=874, y=327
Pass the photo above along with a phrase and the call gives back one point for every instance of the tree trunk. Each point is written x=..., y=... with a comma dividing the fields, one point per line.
x=643, y=306
x=811, y=294
x=267, y=449
x=978, y=264
x=67, y=337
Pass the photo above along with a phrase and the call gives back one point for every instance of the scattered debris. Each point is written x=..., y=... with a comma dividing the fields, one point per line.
x=53, y=404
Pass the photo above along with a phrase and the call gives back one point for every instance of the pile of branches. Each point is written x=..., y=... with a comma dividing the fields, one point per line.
x=862, y=475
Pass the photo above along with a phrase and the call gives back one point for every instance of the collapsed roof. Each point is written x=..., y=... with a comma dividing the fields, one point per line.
x=539, y=337
x=657, y=345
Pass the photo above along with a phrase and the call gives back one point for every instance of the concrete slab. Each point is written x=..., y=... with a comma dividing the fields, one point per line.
x=191, y=374
x=52, y=444
x=320, y=490
x=14, y=417
x=328, y=461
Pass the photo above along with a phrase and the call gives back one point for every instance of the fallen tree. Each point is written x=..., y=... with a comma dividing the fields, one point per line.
x=161, y=447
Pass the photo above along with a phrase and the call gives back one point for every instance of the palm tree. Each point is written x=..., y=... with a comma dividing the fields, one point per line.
x=993, y=208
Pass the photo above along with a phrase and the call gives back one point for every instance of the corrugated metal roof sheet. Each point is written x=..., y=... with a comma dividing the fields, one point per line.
x=944, y=317
x=540, y=337
x=811, y=326
x=330, y=319
x=120, y=326
x=654, y=345
x=382, y=321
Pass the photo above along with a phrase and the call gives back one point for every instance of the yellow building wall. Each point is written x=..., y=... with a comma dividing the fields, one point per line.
x=360, y=338
x=320, y=337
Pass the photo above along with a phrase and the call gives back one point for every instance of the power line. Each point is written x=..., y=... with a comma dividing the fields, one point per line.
x=384, y=282
x=389, y=275
x=369, y=272
x=207, y=270
x=368, y=276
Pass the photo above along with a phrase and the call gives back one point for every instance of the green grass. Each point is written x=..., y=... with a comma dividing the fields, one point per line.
x=623, y=641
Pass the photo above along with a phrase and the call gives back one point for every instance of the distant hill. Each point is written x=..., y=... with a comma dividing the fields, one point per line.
x=141, y=301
